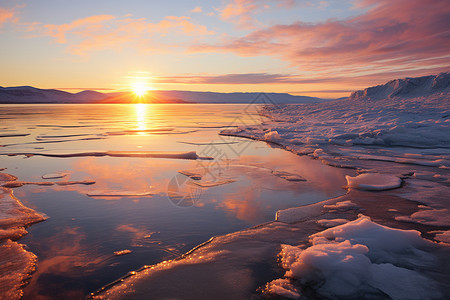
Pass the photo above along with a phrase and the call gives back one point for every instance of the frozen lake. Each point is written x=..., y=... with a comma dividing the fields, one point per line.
x=154, y=179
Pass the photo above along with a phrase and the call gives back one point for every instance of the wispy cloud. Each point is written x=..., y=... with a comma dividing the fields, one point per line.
x=100, y=32
x=197, y=9
x=7, y=15
x=390, y=35
x=242, y=12
x=248, y=78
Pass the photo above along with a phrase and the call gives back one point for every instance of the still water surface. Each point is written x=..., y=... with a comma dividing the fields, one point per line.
x=144, y=204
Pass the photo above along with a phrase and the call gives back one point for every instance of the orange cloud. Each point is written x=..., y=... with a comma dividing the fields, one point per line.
x=7, y=15
x=404, y=35
x=101, y=32
x=197, y=9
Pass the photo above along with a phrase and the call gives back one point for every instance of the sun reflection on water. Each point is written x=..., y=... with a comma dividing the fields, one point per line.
x=141, y=117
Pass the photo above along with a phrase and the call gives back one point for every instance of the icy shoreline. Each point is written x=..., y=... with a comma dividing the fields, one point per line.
x=17, y=264
x=388, y=235
x=399, y=199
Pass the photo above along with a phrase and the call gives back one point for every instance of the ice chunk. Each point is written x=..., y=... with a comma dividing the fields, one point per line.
x=143, y=154
x=17, y=265
x=382, y=241
x=435, y=217
x=283, y=288
x=296, y=214
x=192, y=175
x=206, y=143
x=332, y=222
x=343, y=205
x=207, y=184
x=272, y=136
x=13, y=233
x=7, y=177
x=443, y=236
x=288, y=176
x=13, y=213
x=374, y=181
x=16, y=184
x=122, y=252
x=55, y=175
x=362, y=258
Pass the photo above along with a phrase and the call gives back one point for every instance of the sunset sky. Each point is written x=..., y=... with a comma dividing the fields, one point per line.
x=317, y=48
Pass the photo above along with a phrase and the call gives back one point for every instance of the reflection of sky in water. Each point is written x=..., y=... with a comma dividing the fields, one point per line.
x=75, y=245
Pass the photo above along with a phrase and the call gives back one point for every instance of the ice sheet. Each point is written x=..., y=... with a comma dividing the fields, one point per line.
x=143, y=154
x=16, y=263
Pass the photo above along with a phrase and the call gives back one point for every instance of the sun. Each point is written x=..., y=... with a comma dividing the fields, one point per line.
x=140, y=88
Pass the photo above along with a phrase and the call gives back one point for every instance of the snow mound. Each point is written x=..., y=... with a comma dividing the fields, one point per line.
x=362, y=258
x=407, y=87
x=373, y=182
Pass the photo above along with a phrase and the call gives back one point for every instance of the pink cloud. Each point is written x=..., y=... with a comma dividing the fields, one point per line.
x=400, y=35
x=7, y=15
x=101, y=32
x=242, y=12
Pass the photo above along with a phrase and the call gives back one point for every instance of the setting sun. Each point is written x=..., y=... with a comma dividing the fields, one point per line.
x=140, y=88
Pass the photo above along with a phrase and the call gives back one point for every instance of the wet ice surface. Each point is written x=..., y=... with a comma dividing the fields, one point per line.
x=110, y=178
x=250, y=183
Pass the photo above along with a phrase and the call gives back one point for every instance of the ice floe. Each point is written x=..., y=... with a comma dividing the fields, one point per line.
x=343, y=205
x=374, y=182
x=16, y=184
x=17, y=266
x=435, y=217
x=17, y=263
x=443, y=236
x=55, y=175
x=362, y=258
x=208, y=184
x=332, y=222
x=143, y=154
x=118, y=194
x=192, y=175
x=288, y=176
x=282, y=287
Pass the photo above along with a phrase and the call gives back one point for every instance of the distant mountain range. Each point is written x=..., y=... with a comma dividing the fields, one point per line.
x=406, y=88
x=28, y=94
